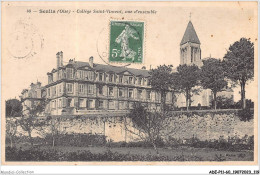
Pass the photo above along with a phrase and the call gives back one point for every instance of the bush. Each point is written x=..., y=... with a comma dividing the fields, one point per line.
x=232, y=144
x=249, y=104
x=78, y=140
x=13, y=154
x=245, y=114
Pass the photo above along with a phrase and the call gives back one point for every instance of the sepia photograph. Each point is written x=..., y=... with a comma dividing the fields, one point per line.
x=129, y=83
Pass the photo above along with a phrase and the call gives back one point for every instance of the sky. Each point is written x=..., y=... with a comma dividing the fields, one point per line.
x=31, y=40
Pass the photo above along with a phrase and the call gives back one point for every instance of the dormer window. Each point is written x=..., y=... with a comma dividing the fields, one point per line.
x=69, y=73
x=81, y=74
x=139, y=80
x=91, y=75
x=50, y=80
x=100, y=76
x=130, y=80
x=148, y=82
x=120, y=79
x=110, y=77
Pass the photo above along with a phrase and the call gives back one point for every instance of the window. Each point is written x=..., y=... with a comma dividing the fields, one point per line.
x=81, y=74
x=81, y=103
x=139, y=94
x=81, y=88
x=53, y=104
x=100, y=89
x=50, y=78
x=130, y=93
x=110, y=91
x=110, y=77
x=60, y=87
x=168, y=97
x=55, y=76
x=60, y=74
x=148, y=94
x=121, y=105
x=131, y=105
x=59, y=104
x=69, y=87
x=130, y=80
x=91, y=75
x=121, y=92
x=139, y=80
x=69, y=73
x=111, y=104
x=70, y=104
x=121, y=79
x=49, y=92
x=100, y=104
x=91, y=104
x=100, y=76
x=156, y=96
x=64, y=102
x=54, y=90
x=90, y=89
x=148, y=82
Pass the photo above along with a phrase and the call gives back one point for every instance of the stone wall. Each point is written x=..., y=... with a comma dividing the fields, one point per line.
x=208, y=126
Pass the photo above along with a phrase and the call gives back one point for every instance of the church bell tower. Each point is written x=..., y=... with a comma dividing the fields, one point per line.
x=190, y=52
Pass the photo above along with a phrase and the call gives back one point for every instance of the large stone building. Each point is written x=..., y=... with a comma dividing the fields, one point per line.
x=81, y=87
x=31, y=96
x=190, y=53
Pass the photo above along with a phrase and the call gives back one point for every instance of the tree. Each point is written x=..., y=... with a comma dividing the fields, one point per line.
x=148, y=126
x=161, y=81
x=186, y=78
x=224, y=102
x=213, y=77
x=11, y=129
x=13, y=108
x=55, y=128
x=239, y=64
x=30, y=120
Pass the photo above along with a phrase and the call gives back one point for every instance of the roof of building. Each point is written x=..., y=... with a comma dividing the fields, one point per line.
x=110, y=68
x=190, y=35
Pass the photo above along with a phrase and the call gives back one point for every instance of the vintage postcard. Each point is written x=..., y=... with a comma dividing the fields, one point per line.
x=129, y=83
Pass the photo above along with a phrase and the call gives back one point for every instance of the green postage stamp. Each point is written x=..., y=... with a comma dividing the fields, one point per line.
x=126, y=41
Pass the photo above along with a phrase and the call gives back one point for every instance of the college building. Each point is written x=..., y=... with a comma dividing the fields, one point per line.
x=79, y=87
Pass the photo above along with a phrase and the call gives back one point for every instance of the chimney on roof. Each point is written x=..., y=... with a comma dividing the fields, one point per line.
x=58, y=59
x=61, y=58
x=144, y=67
x=32, y=85
x=91, y=61
x=39, y=84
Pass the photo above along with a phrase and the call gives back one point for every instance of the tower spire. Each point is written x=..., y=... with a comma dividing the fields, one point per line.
x=190, y=16
x=190, y=46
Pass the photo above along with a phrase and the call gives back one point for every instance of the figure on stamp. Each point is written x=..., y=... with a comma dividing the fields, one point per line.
x=123, y=39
